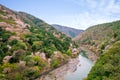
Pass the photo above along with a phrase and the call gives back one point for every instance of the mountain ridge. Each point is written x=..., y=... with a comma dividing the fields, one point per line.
x=72, y=32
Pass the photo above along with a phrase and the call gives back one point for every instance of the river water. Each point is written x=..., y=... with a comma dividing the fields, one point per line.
x=83, y=69
x=75, y=69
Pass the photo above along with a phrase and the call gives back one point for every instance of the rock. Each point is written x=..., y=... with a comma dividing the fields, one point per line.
x=43, y=56
x=57, y=54
x=1, y=39
x=107, y=47
x=19, y=53
x=22, y=63
x=14, y=37
x=37, y=53
x=6, y=59
x=9, y=46
x=49, y=60
x=75, y=51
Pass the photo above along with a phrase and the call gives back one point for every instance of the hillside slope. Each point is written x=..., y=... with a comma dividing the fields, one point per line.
x=108, y=65
x=29, y=46
x=104, y=41
x=99, y=37
x=67, y=30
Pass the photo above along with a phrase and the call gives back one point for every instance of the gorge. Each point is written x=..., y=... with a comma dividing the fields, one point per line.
x=32, y=49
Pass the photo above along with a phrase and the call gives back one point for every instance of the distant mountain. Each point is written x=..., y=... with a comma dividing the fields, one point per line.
x=67, y=30
x=29, y=46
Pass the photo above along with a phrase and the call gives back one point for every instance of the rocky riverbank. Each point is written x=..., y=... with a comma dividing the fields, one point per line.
x=91, y=55
x=59, y=73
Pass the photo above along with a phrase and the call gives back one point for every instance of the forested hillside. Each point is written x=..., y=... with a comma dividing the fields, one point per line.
x=104, y=41
x=29, y=46
x=107, y=66
x=99, y=37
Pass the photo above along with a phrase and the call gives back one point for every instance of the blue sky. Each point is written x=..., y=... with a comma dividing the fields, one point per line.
x=79, y=14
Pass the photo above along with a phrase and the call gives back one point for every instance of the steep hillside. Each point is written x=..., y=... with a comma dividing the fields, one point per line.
x=104, y=41
x=29, y=46
x=108, y=65
x=67, y=30
x=99, y=37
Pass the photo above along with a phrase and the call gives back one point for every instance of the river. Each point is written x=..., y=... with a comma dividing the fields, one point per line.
x=75, y=69
x=83, y=69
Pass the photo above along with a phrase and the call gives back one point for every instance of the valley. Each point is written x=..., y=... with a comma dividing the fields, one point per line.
x=32, y=49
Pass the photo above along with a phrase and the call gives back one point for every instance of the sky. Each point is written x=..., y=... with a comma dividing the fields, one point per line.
x=79, y=14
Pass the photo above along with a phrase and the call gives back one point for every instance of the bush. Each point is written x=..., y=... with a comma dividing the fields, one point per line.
x=36, y=45
x=69, y=53
x=13, y=42
x=18, y=76
x=18, y=46
x=55, y=63
x=17, y=56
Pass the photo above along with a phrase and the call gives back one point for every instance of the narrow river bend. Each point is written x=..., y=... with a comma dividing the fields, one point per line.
x=75, y=69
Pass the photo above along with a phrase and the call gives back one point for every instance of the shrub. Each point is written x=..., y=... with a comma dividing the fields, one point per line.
x=18, y=76
x=36, y=45
x=17, y=56
x=69, y=53
x=13, y=42
x=55, y=63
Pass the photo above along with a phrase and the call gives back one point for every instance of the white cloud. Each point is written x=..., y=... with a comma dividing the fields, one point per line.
x=100, y=11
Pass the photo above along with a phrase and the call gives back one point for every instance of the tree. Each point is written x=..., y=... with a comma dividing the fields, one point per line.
x=36, y=45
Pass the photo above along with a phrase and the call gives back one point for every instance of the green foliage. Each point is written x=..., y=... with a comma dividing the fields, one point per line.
x=36, y=45
x=100, y=36
x=19, y=45
x=108, y=66
x=83, y=53
x=13, y=42
x=49, y=51
x=22, y=62
x=2, y=13
x=45, y=41
x=102, y=46
x=55, y=63
x=18, y=55
x=4, y=35
x=69, y=53
x=39, y=62
x=18, y=76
